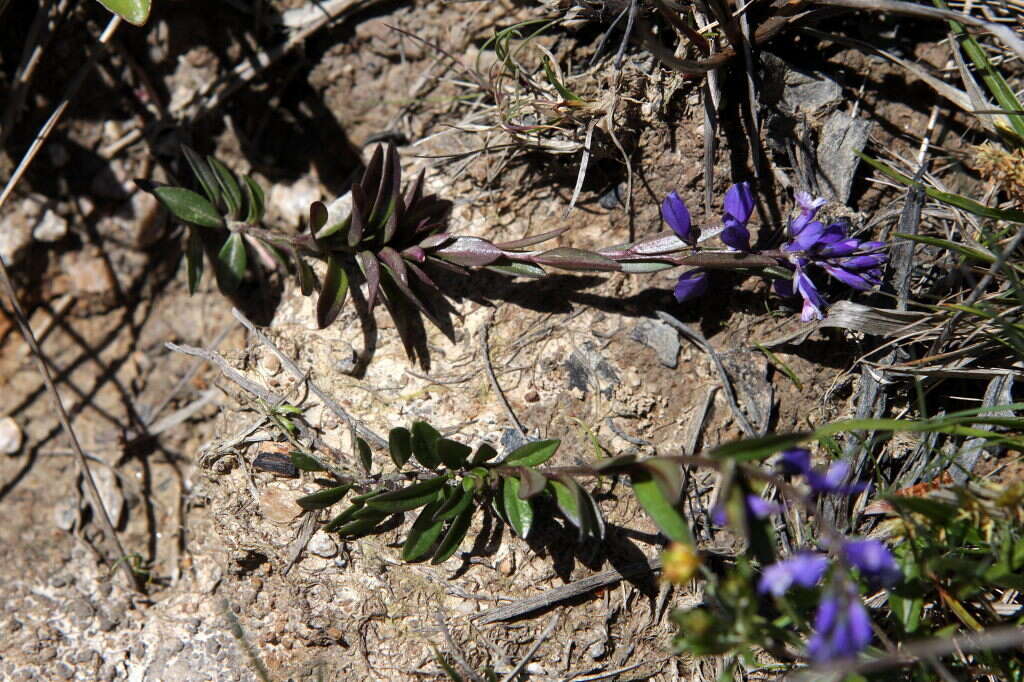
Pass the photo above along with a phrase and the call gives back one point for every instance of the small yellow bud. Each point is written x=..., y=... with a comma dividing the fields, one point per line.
x=679, y=563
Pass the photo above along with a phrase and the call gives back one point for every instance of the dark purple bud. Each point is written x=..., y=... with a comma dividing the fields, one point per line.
x=804, y=569
x=691, y=284
x=739, y=204
x=796, y=461
x=839, y=249
x=874, y=561
x=675, y=213
x=865, y=262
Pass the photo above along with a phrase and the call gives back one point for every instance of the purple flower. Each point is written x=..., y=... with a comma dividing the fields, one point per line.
x=833, y=481
x=757, y=506
x=675, y=213
x=739, y=204
x=853, y=262
x=796, y=461
x=874, y=560
x=842, y=627
x=691, y=284
x=804, y=569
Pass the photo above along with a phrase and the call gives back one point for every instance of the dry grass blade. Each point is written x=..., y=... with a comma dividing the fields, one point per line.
x=94, y=494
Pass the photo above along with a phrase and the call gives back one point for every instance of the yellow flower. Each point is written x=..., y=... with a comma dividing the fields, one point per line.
x=679, y=563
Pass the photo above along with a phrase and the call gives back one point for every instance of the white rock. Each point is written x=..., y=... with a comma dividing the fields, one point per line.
x=322, y=545
x=291, y=202
x=110, y=491
x=52, y=227
x=11, y=437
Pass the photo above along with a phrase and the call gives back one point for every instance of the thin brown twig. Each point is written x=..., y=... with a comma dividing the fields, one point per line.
x=494, y=380
x=454, y=648
x=541, y=638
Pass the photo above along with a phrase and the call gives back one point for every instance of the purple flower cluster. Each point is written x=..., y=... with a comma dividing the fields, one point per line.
x=853, y=262
x=856, y=263
x=842, y=626
x=739, y=205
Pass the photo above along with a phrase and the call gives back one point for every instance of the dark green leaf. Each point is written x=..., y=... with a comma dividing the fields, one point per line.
x=229, y=188
x=324, y=498
x=207, y=180
x=194, y=259
x=453, y=536
x=317, y=219
x=343, y=518
x=593, y=522
x=305, y=462
x=189, y=207
x=757, y=448
x=531, y=483
x=519, y=270
x=357, y=221
x=230, y=264
x=400, y=446
x=371, y=270
x=332, y=293
x=365, y=456
x=254, y=199
x=423, y=534
x=359, y=526
x=410, y=497
x=518, y=512
x=133, y=11
x=455, y=504
x=453, y=453
x=307, y=279
x=484, y=454
x=664, y=514
x=424, y=444
x=567, y=496
x=532, y=454
x=669, y=476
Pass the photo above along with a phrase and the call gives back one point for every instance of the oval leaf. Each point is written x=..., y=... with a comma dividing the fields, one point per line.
x=133, y=11
x=531, y=483
x=189, y=207
x=423, y=534
x=532, y=454
x=306, y=463
x=231, y=262
x=207, y=180
x=453, y=536
x=669, y=476
x=395, y=506
x=400, y=446
x=455, y=504
x=194, y=259
x=324, y=498
x=424, y=444
x=254, y=199
x=518, y=512
x=365, y=456
x=230, y=191
x=484, y=453
x=453, y=453
x=568, y=258
x=664, y=515
x=332, y=293
x=566, y=493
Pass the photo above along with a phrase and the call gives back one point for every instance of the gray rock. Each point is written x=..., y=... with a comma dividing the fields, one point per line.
x=110, y=492
x=841, y=137
x=322, y=545
x=51, y=227
x=588, y=369
x=661, y=338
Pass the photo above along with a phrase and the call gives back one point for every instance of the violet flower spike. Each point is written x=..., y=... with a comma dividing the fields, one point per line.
x=842, y=627
x=739, y=205
x=804, y=569
x=874, y=561
x=808, y=209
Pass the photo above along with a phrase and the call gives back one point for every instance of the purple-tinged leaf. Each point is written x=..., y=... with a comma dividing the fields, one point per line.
x=415, y=191
x=435, y=240
x=371, y=271
x=568, y=258
x=469, y=252
x=530, y=241
x=332, y=293
x=373, y=174
x=317, y=218
x=358, y=217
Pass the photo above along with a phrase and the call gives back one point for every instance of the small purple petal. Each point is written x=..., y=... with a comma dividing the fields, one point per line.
x=808, y=209
x=813, y=302
x=691, y=284
x=804, y=569
x=872, y=246
x=675, y=213
x=735, y=235
x=808, y=203
x=850, y=279
x=809, y=236
x=842, y=628
x=874, y=560
x=784, y=288
x=833, y=481
x=839, y=249
x=865, y=262
x=796, y=461
x=719, y=517
x=739, y=203
x=760, y=508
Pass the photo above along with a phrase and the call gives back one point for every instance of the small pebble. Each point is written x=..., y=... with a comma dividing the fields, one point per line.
x=51, y=228
x=11, y=437
x=532, y=396
x=279, y=506
x=322, y=545
x=270, y=364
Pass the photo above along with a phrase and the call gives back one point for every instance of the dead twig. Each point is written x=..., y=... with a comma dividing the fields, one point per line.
x=494, y=380
x=541, y=638
x=454, y=648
